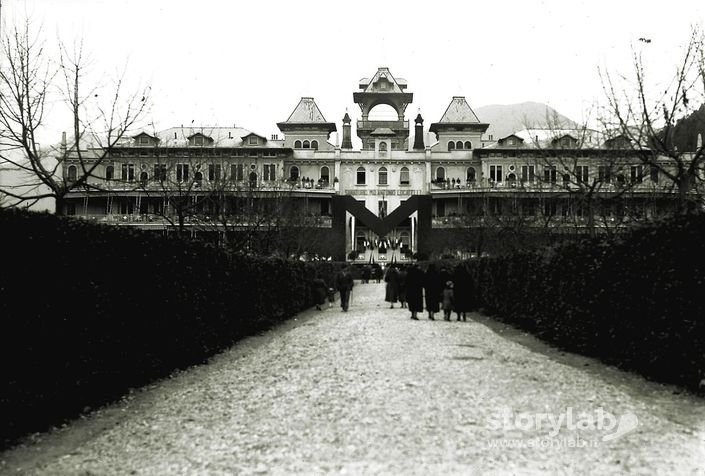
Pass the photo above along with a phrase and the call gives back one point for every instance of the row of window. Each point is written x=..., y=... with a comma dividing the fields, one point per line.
x=183, y=171
x=306, y=144
x=295, y=174
x=581, y=174
x=547, y=208
x=383, y=147
x=382, y=176
x=459, y=145
x=237, y=172
x=194, y=153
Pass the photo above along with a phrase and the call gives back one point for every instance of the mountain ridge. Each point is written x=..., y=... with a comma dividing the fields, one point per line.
x=505, y=119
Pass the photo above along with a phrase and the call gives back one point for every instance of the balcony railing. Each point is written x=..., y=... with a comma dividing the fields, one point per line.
x=367, y=125
x=486, y=185
x=205, y=219
x=205, y=185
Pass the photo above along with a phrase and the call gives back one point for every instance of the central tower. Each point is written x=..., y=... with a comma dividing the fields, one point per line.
x=383, y=88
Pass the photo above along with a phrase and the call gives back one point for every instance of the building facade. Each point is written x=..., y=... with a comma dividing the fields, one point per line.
x=397, y=195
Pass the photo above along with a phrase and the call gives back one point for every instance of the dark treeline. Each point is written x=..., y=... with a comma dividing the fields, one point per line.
x=635, y=301
x=89, y=311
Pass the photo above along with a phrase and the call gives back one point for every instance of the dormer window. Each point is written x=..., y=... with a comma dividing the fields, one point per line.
x=252, y=140
x=144, y=140
x=512, y=141
x=198, y=140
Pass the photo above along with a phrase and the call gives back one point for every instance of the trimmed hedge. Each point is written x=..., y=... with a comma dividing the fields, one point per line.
x=89, y=311
x=637, y=301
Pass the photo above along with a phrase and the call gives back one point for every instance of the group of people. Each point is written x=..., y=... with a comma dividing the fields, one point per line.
x=412, y=287
x=344, y=283
x=439, y=289
x=371, y=272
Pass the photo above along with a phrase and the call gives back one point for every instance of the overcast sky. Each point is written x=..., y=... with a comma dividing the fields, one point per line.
x=248, y=63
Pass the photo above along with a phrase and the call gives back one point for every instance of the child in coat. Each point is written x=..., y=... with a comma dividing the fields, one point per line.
x=448, y=299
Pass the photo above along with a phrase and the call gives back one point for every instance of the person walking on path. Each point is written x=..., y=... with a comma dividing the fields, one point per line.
x=448, y=299
x=464, y=298
x=402, y=286
x=377, y=273
x=433, y=288
x=366, y=274
x=391, y=294
x=414, y=290
x=344, y=284
x=320, y=291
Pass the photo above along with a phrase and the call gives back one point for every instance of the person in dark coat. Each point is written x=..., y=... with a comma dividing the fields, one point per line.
x=414, y=290
x=464, y=299
x=391, y=294
x=402, y=286
x=344, y=284
x=366, y=274
x=433, y=290
x=320, y=292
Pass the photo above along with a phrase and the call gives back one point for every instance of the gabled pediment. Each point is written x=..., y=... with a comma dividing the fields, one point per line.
x=382, y=82
x=145, y=139
x=199, y=139
x=253, y=139
x=512, y=140
x=565, y=141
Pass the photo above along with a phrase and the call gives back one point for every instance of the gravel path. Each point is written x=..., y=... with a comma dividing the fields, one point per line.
x=371, y=391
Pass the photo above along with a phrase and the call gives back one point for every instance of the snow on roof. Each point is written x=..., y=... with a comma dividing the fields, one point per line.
x=545, y=138
x=222, y=136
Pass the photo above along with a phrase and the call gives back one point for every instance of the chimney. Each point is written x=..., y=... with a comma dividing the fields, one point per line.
x=63, y=143
x=700, y=142
x=418, y=134
x=347, y=140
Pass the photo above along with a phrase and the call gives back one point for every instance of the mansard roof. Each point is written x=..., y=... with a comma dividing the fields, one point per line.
x=458, y=112
x=306, y=115
x=459, y=115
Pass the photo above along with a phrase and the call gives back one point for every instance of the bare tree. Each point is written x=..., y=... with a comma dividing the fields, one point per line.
x=645, y=115
x=29, y=81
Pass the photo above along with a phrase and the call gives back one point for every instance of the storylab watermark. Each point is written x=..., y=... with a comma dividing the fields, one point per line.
x=568, y=428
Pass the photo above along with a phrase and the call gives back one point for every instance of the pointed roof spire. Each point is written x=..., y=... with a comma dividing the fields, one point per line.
x=346, y=117
x=306, y=111
x=306, y=114
x=458, y=112
x=419, y=119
